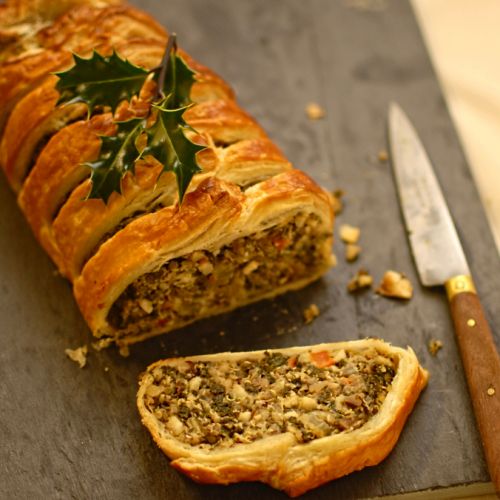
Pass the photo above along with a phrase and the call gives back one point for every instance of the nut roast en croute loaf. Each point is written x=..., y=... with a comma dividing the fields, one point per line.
x=167, y=203
x=249, y=227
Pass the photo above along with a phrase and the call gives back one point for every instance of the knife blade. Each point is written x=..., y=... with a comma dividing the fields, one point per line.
x=440, y=260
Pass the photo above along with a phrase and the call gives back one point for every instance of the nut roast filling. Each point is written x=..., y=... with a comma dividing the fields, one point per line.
x=217, y=404
x=204, y=282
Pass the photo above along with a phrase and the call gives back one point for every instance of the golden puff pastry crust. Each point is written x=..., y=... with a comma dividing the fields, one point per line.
x=81, y=30
x=213, y=215
x=79, y=227
x=36, y=115
x=58, y=170
x=44, y=148
x=282, y=459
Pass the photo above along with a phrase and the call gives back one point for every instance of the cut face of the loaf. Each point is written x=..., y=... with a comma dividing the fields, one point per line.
x=311, y=395
x=206, y=282
x=294, y=417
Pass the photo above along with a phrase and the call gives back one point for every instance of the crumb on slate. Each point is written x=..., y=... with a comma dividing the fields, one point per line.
x=101, y=344
x=383, y=156
x=314, y=111
x=395, y=285
x=434, y=346
x=360, y=281
x=352, y=252
x=349, y=234
x=222, y=333
x=78, y=355
x=367, y=5
x=337, y=202
x=311, y=313
x=333, y=260
x=124, y=351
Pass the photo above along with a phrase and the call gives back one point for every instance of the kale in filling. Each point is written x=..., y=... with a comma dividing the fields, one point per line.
x=219, y=404
x=196, y=284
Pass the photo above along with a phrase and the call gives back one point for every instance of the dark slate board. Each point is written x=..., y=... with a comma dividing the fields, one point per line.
x=70, y=433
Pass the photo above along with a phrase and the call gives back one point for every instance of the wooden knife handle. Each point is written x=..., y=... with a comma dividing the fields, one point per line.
x=482, y=368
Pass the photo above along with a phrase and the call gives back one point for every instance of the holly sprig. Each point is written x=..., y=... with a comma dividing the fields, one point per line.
x=105, y=81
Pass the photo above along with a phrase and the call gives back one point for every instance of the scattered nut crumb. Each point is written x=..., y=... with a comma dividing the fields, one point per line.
x=490, y=391
x=146, y=305
x=222, y=333
x=361, y=280
x=314, y=111
x=311, y=313
x=434, y=346
x=383, y=156
x=333, y=260
x=124, y=351
x=101, y=344
x=78, y=355
x=396, y=285
x=352, y=252
x=106, y=368
x=337, y=202
x=349, y=234
x=367, y=5
x=255, y=318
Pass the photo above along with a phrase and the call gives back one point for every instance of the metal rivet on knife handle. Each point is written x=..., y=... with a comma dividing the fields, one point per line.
x=459, y=284
x=471, y=322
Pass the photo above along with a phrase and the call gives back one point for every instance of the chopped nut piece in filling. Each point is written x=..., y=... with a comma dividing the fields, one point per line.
x=311, y=395
x=204, y=281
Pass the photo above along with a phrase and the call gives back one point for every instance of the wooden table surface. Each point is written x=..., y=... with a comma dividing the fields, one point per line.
x=71, y=433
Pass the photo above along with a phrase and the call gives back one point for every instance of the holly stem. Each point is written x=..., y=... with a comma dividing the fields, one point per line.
x=171, y=44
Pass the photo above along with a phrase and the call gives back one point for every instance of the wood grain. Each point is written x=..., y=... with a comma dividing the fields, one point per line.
x=71, y=433
x=482, y=370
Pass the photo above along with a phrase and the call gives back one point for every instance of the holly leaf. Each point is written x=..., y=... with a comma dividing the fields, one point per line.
x=117, y=157
x=100, y=81
x=178, y=82
x=108, y=80
x=168, y=143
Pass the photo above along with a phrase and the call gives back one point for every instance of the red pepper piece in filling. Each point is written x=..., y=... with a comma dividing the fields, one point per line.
x=322, y=359
x=280, y=243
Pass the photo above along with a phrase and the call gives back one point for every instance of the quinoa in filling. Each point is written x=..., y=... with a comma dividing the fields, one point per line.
x=311, y=395
x=204, y=282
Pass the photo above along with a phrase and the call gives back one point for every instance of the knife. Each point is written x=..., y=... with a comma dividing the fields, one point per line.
x=440, y=260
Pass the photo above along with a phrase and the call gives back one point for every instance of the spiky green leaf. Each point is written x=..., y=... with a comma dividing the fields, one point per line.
x=178, y=82
x=168, y=143
x=117, y=157
x=100, y=81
